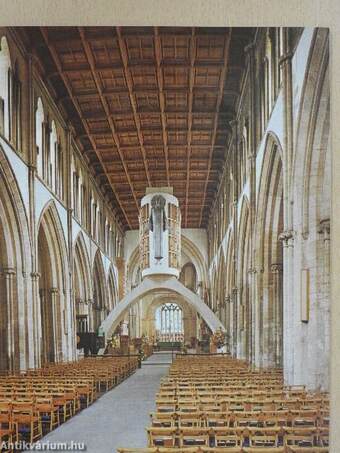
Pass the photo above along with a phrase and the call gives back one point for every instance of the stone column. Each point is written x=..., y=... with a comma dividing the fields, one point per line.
x=234, y=307
x=35, y=320
x=34, y=315
x=258, y=321
x=56, y=326
x=277, y=331
x=324, y=307
x=89, y=303
x=227, y=314
x=12, y=321
x=287, y=238
x=287, y=235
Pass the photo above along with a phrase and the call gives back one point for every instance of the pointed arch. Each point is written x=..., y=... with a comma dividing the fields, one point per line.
x=269, y=224
x=112, y=289
x=244, y=307
x=82, y=283
x=99, y=303
x=15, y=273
x=311, y=192
x=56, y=313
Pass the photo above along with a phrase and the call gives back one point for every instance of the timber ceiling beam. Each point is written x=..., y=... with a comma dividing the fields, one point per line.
x=90, y=59
x=219, y=101
x=57, y=62
x=129, y=81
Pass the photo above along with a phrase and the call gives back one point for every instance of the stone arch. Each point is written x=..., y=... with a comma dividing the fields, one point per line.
x=188, y=276
x=231, y=305
x=99, y=305
x=269, y=225
x=189, y=315
x=153, y=285
x=243, y=285
x=54, y=304
x=82, y=283
x=311, y=192
x=15, y=273
x=220, y=285
x=112, y=289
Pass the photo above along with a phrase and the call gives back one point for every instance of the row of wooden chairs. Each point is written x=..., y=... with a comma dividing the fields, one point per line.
x=34, y=402
x=238, y=436
x=220, y=402
x=202, y=449
x=294, y=418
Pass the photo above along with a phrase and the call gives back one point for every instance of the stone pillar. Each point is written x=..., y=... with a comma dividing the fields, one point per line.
x=11, y=309
x=227, y=314
x=56, y=326
x=277, y=332
x=324, y=307
x=287, y=238
x=34, y=315
x=234, y=307
x=35, y=321
x=258, y=322
x=287, y=235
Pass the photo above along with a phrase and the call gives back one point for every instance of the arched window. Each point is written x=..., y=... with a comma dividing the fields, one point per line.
x=5, y=89
x=39, y=124
x=75, y=178
x=169, y=322
x=52, y=158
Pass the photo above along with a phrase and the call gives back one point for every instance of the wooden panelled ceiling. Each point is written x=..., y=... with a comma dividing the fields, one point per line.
x=149, y=106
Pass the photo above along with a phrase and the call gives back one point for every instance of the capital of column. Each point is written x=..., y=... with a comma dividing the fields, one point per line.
x=286, y=237
x=32, y=168
x=252, y=270
x=234, y=290
x=89, y=302
x=7, y=271
x=227, y=300
x=285, y=58
x=54, y=290
x=276, y=268
x=325, y=228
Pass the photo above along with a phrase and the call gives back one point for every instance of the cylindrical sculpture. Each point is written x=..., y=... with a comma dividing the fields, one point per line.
x=160, y=233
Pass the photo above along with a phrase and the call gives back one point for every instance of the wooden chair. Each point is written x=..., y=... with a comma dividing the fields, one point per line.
x=48, y=412
x=7, y=431
x=189, y=437
x=263, y=441
x=299, y=440
x=26, y=420
x=162, y=437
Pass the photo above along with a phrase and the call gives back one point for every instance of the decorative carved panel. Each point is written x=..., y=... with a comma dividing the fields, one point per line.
x=144, y=237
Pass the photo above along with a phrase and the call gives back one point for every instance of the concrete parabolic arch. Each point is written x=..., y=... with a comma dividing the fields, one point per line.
x=157, y=283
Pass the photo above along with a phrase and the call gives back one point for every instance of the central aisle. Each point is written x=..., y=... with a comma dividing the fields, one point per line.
x=118, y=418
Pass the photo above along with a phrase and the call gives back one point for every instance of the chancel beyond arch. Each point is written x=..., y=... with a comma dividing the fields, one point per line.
x=154, y=284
